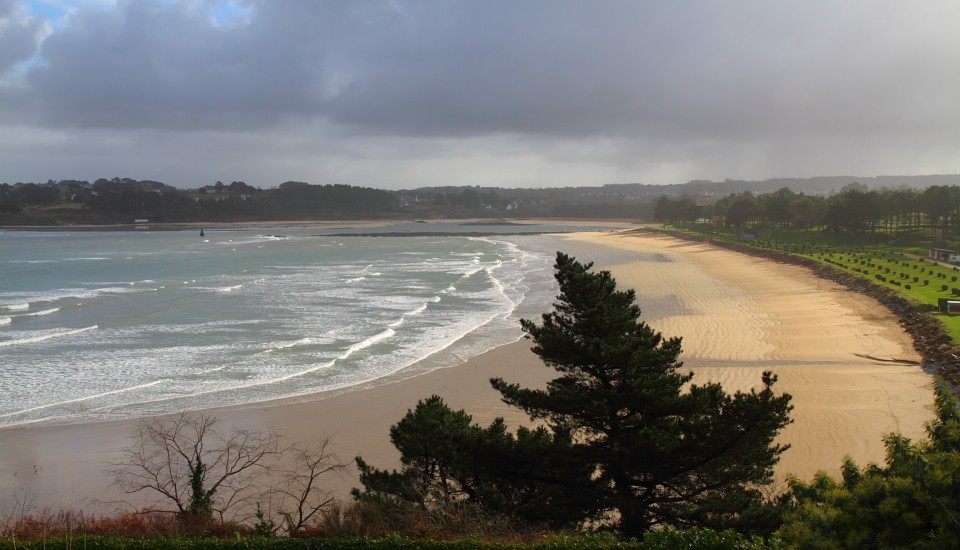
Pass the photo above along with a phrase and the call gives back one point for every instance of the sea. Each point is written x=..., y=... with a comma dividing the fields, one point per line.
x=104, y=325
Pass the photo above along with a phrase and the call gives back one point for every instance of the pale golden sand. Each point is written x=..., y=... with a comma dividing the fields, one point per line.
x=740, y=315
x=737, y=315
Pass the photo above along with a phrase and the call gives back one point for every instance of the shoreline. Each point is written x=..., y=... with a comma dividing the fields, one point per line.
x=738, y=315
x=317, y=224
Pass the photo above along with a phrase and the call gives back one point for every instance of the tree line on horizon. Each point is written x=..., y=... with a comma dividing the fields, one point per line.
x=855, y=209
x=121, y=200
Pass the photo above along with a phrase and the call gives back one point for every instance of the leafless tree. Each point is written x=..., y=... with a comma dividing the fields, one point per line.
x=192, y=466
x=301, y=497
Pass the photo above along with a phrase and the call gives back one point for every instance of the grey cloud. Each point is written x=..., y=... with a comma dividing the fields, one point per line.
x=166, y=65
x=564, y=68
x=659, y=87
x=19, y=38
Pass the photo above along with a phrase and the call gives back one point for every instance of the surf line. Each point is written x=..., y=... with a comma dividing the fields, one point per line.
x=347, y=353
x=87, y=398
x=34, y=339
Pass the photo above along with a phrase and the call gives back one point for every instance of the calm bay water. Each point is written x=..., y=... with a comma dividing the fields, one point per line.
x=104, y=325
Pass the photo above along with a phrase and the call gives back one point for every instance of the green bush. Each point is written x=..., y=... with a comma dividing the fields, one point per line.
x=910, y=501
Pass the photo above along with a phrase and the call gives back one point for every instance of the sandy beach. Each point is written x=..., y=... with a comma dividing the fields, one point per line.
x=845, y=360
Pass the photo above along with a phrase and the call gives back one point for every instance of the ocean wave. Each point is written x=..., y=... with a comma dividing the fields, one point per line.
x=33, y=261
x=356, y=280
x=228, y=288
x=44, y=337
x=5, y=321
x=74, y=293
x=81, y=399
x=312, y=300
x=40, y=313
x=366, y=343
x=288, y=345
x=413, y=312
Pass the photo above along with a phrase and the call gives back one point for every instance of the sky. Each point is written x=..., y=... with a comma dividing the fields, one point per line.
x=513, y=93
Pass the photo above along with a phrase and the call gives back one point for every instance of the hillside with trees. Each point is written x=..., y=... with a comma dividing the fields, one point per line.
x=813, y=202
x=856, y=210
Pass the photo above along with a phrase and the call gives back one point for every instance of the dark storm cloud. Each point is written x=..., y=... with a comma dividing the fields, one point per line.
x=740, y=69
x=157, y=64
x=504, y=91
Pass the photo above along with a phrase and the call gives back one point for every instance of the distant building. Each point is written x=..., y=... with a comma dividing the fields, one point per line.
x=943, y=255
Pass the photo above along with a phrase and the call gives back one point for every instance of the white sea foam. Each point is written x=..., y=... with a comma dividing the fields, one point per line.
x=44, y=337
x=5, y=320
x=33, y=261
x=288, y=345
x=81, y=399
x=15, y=307
x=379, y=337
x=40, y=313
x=324, y=323
x=356, y=280
x=228, y=288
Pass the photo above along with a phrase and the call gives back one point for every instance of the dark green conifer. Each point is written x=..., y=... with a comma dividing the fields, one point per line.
x=662, y=452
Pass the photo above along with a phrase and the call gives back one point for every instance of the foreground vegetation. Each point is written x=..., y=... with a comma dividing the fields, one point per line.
x=692, y=539
x=628, y=455
x=627, y=442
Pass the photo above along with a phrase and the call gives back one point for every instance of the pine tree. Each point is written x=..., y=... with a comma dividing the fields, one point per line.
x=662, y=452
x=446, y=460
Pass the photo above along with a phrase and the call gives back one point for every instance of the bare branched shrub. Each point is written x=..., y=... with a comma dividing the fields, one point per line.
x=301, y=497
x=193, y=468
x=362, y=518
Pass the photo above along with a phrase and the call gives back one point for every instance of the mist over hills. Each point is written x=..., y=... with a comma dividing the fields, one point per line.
x=819, y=185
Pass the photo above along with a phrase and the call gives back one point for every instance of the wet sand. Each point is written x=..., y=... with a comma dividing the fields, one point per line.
x=738, y=316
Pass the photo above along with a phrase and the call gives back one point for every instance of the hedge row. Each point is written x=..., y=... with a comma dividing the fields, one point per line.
x=691, y=539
